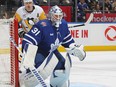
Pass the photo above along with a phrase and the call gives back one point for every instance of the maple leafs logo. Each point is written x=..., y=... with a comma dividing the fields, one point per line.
x=55, y=45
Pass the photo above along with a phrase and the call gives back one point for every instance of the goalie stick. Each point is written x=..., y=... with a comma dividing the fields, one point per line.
x=14, y=43
x=86, y=23
x=32, y=69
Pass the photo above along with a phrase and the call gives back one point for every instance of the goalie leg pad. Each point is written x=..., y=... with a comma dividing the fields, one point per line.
x=45, y=71
x=28, y=80
x=59, y=78
x=29, y=56
x=28, y=61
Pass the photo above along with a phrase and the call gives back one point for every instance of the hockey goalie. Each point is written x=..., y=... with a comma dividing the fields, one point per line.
x=40, y=48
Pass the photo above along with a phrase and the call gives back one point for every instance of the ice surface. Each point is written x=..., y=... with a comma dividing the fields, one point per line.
x=97, y=70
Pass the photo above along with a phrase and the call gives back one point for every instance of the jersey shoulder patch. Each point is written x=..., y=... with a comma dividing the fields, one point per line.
x=43, y=23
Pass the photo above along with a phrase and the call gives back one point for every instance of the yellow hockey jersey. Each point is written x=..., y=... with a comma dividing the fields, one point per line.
x=28, y=19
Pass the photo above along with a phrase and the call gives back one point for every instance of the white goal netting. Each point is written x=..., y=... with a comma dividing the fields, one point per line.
x=8, y=54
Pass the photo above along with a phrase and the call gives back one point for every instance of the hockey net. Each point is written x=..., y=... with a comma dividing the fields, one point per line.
x=8, y=53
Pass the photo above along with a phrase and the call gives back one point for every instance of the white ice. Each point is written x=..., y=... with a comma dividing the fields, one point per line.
x=97, y=70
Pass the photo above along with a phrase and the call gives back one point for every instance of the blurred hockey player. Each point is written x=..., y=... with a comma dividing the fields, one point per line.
x=48, y=35
x=28, y=15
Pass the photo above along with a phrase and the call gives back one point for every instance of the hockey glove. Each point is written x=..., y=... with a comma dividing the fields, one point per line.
x=21, y=32
x=77, y=51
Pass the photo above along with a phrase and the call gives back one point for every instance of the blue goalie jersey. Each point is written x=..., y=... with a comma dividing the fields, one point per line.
x=47, y=37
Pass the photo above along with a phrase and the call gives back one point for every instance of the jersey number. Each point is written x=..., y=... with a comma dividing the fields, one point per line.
x=35, y=31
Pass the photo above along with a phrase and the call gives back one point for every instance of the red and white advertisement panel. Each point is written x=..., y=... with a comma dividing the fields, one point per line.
x=107, y=17
x=96, y=34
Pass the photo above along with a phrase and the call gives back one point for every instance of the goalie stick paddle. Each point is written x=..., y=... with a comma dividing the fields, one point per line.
x=86, y=23
x=32, y=69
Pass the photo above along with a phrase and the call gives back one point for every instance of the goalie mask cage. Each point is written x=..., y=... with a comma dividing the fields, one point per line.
x=8, y=53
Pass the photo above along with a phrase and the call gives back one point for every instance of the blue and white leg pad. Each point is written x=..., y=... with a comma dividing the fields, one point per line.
x=28, y=79
x=60, y=77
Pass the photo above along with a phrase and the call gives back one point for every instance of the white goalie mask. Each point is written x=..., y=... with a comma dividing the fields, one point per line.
x=55, y=15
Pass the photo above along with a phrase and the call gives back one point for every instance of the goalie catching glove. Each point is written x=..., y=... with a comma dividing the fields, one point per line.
x=76, y=50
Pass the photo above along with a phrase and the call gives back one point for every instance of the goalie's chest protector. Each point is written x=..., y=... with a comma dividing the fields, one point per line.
x=51, y=37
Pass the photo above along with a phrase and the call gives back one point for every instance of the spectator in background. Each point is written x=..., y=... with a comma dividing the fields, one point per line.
x=82, y=8
x=114, y=9
x=100, y=2
x=2, y=2
x=89, y=3
x=114, y=4
x=108, y=5
x=97, y=9
x=107, y=10
x=93, y=5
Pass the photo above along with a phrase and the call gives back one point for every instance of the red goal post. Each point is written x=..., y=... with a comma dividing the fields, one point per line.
x=14, y=53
